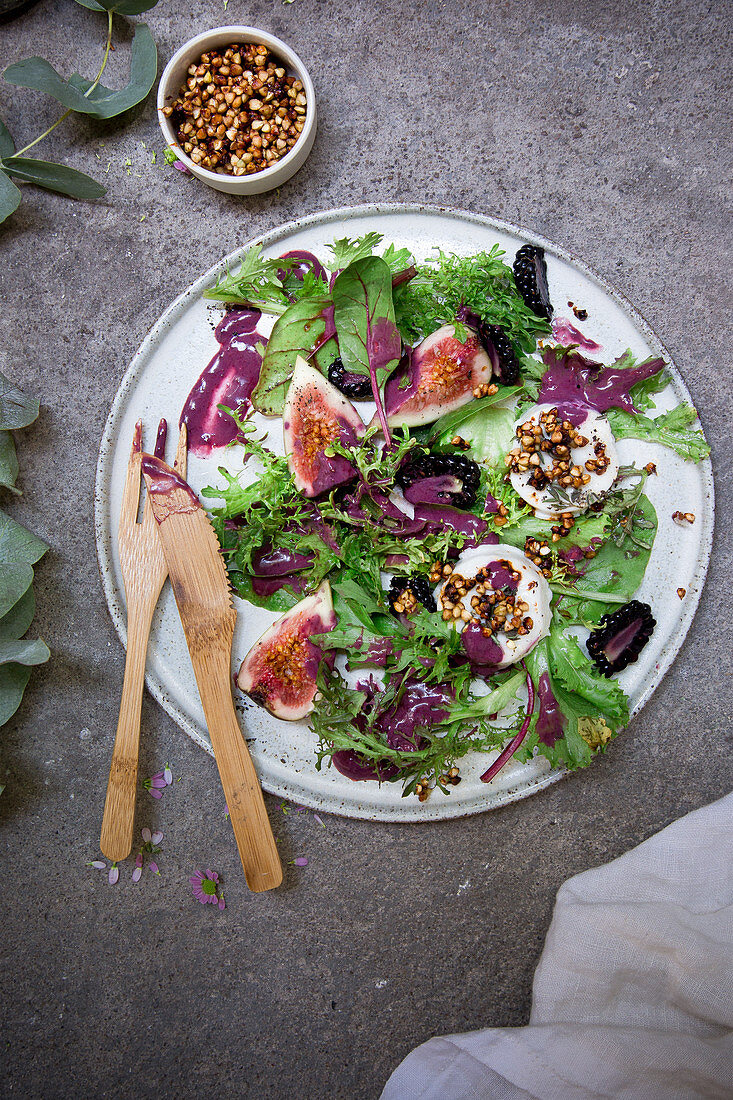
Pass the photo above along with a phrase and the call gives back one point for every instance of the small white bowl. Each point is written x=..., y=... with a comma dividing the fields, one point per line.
x=174, y=76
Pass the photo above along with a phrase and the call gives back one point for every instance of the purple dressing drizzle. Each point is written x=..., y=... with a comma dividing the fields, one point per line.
x=160, y=439
x=306, y=261
x=162, y=480
x=229, y=379
x=566, y=334
x=571, y=381
x=551, y=720
x=500, y=576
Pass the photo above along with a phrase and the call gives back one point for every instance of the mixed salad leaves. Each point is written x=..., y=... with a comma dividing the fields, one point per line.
x=456, y=558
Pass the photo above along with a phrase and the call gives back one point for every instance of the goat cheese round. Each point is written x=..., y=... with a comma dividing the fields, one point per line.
x=562, y=460
x=497, y=588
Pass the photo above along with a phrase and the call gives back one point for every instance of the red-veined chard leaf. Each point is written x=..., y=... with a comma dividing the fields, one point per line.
x=295, y=333
x=369, y=341
x=54, y=177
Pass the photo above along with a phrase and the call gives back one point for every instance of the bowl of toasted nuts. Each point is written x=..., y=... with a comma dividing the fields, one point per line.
x=237, y=107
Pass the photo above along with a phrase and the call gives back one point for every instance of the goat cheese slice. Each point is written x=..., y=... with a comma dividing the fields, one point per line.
x=596, y=429
x=498, y=563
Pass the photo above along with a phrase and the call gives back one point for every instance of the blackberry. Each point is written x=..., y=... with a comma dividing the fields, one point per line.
x=508, y=365
x=620, y=637
x=418, y=587
x=453, y=465
x=530, y=276
x=354, y=386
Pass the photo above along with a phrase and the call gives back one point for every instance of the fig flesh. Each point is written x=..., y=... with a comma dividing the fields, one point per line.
x=281, y=669
x=316, y=415
x=442, y=376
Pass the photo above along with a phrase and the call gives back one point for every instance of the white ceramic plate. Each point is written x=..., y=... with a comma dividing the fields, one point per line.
x=160, y=377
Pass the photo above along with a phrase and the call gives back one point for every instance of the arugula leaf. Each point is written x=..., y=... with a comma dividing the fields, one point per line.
x=54, y=177
x=295, y=333
x=670, y=429
x=369, y=342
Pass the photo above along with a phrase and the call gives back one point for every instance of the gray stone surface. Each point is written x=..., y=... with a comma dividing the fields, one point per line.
x=600, y=125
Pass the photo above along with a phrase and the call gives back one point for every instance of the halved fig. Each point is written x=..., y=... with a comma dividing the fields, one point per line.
x=281, y=669
x=442, y=375
x=315, y=415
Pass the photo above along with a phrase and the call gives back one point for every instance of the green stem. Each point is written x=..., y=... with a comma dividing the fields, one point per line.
x=580, y=594
x=88, y=92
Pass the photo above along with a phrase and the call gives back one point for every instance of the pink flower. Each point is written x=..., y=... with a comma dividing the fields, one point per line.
x=114, y=874
x=98, y=864
x=137, y=873
x=206, y=888
x=317, y=818
x=301, y=861
x=156, y=837
x=168, y=776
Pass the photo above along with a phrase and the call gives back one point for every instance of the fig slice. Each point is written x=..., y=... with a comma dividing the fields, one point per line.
x=442, y=375
x=315, y=415
x=280, y=670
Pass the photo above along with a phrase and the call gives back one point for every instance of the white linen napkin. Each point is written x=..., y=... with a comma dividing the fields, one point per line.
x=633, y=994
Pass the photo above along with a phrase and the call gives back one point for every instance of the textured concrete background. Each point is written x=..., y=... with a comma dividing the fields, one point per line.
x=601, y=125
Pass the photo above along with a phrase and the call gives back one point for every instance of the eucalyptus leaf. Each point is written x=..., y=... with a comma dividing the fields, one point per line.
x=8, y=462
x=10, y=197
x=7, y=145
x=15, y=580
x=17, y=409
x=27, y=652
x=120, y=7
x=16, y=621
x=78, y=94
x=18, y=545
x=13, y=681
x=39, y=74
x=107, y=103
x=54, y=177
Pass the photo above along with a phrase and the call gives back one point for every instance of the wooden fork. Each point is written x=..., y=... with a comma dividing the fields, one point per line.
x=144, y=572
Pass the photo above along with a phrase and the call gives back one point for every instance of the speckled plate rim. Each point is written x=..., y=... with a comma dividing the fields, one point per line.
x=294, y=790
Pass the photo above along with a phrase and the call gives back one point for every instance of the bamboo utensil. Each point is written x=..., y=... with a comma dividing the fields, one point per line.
x=202, y=592
x=143, y=571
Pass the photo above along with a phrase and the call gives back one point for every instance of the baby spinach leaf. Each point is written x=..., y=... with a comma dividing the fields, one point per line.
x=54, y=177
x=295, y=333
x=10, y=197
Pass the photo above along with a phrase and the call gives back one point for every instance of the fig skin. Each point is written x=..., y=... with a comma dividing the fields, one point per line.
x=280, y=670
x=315, y=415
x=443, y=374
